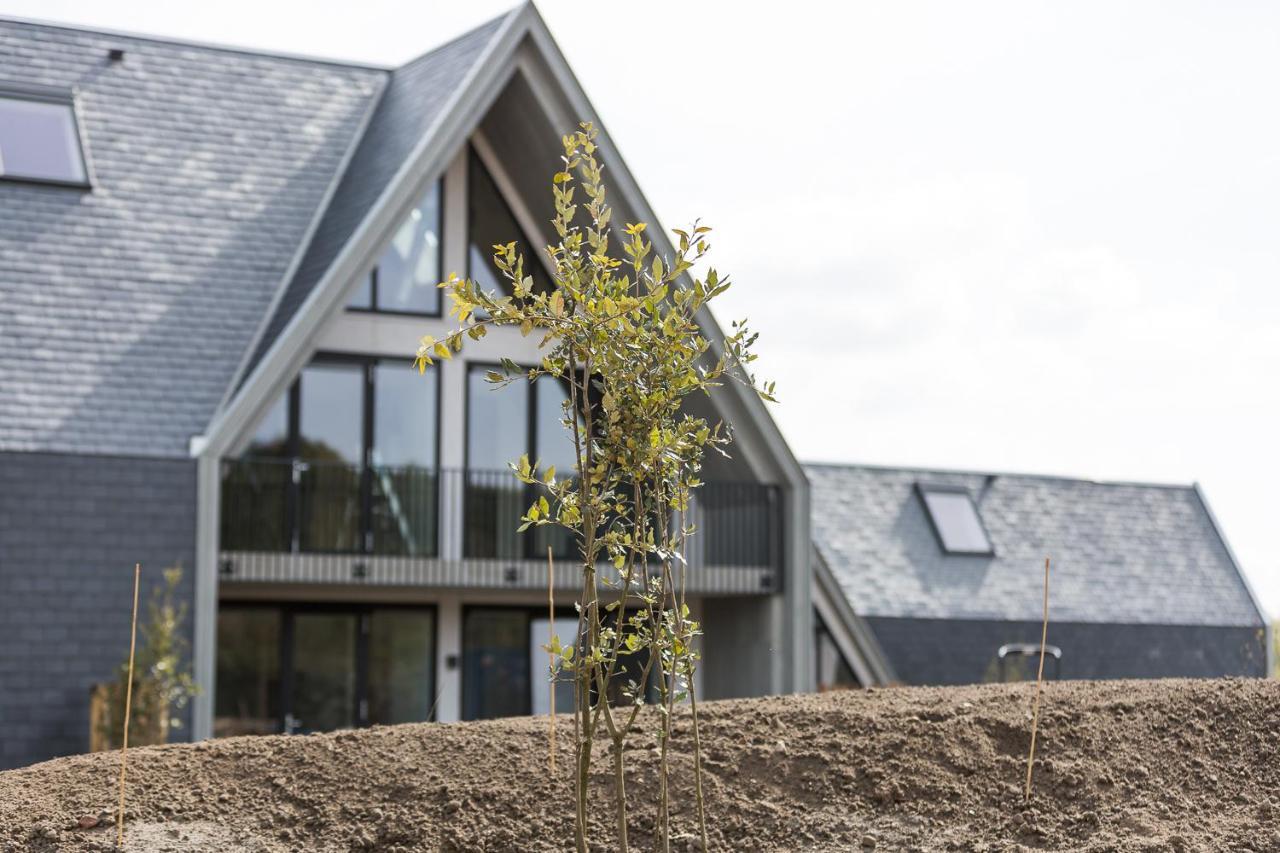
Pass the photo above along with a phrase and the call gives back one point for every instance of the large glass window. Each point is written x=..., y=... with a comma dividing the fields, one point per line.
x=344, y=462
x=497, y=422
x=401, y=666
x=248, y=679
x=271, y=438
x=505, y=670
x=497, y=435
x=323, y=672
x=405, y=483
x=491, y=223
x=330, y=442
x=495, y=663
x=404, y=415
x=305, y=668
x=408, y=270
x=39, y=140
x=553, y=442
x=503, y=424
x=330, y=422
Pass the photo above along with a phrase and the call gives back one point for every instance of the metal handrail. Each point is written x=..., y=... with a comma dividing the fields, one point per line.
x=274, y=504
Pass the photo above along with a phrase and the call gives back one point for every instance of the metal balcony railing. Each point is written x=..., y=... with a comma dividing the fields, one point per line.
x=292, y=506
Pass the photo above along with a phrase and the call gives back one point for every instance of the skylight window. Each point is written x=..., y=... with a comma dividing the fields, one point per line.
x=955, y=519
x=39, y=139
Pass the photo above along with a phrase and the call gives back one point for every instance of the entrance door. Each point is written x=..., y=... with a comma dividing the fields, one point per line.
x=505, y=668
x=296, y=668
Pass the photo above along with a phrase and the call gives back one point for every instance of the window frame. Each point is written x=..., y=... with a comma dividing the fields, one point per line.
x=369, y=390
x=530, y=447
x=474, y=156
x=363, y=611
x=62, y=97
x=531, y=612
x=530, y=415
x=372, y=274
x=922, y=489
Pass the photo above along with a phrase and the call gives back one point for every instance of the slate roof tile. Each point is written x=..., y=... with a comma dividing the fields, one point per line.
x=125, y=310
x=414, y=97
x=1122, y=552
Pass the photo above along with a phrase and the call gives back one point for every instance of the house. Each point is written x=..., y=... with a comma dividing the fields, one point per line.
x=938, y=570
x=215, y=265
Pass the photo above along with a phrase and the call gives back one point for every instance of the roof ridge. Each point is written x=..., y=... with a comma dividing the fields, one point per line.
x=291, y=297
x=430, y=52
x=221, y=47
x=974, y=472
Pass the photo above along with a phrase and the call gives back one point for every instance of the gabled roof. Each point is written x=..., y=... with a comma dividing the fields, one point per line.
x=125, y=310
x=1122, y=552
x=414, y=97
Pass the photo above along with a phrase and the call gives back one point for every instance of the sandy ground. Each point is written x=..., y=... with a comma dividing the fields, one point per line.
x=1174, y=765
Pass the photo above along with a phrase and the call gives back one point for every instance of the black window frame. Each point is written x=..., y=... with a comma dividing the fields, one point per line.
x=363, y=611
x=922, y=489
x=367, y=363
x=61, y=97
x=373, y=272
x=531, y=445
x=531, y=612
x=522, y=239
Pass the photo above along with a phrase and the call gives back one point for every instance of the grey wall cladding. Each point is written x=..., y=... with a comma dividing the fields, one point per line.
x=961, y=651
x=71, y=528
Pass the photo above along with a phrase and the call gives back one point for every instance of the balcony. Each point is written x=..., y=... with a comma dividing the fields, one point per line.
x=287, y=521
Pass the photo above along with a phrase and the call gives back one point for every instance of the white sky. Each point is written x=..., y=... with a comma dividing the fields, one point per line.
x=1020, y=236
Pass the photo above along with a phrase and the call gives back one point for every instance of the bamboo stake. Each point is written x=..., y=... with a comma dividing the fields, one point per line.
x=1035, y=714
x=551, y=656
x=128, y=704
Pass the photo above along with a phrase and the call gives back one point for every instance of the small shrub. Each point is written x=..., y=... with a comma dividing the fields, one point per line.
x=162, y=681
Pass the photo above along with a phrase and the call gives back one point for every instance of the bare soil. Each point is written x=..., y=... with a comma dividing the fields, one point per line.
x=1169, y=765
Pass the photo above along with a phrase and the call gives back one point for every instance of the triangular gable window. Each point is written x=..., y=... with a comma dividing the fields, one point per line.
x=405, y=279
x=490, y=223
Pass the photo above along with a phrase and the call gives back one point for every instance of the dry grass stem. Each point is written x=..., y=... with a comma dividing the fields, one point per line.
x=551, y=656
x=128, y=704
x=1035, y=714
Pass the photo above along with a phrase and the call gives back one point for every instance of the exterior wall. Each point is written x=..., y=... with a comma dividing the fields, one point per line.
x=937, y=651
x=740, y=648
x=71, y=528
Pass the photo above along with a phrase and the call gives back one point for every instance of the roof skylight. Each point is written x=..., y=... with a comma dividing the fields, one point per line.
x=955, y=519
x=39, y=139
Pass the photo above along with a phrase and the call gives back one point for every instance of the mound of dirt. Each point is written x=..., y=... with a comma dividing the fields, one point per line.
x=1173, y=765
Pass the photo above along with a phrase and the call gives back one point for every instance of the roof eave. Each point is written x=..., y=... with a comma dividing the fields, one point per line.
x=1235, y=564
x=283, y=357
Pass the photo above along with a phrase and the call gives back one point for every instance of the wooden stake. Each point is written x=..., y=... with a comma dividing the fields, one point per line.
x=1035, y=714
x=128, y=704
x=551, y=656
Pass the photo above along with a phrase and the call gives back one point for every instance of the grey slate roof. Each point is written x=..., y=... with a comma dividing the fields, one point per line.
x=126, y=311
x=414, y=97
x=1122, y=552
